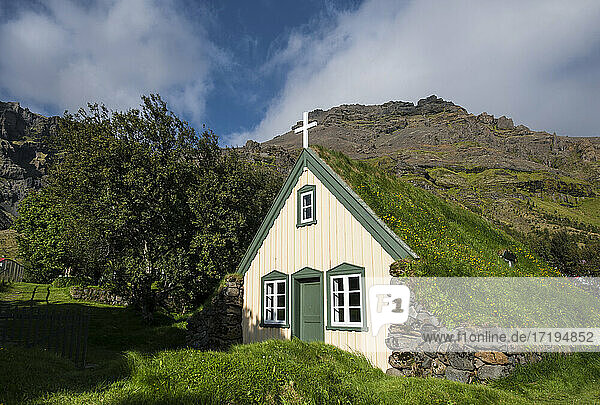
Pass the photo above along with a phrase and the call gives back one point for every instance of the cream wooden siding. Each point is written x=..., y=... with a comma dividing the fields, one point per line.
x=337, y=237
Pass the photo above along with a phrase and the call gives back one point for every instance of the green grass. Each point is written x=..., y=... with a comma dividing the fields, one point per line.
x=113, y=332
x=268, y=372
x=450, y=240
x=135, y=363
x=283, y=372
x=587, y=212
x=573, y=379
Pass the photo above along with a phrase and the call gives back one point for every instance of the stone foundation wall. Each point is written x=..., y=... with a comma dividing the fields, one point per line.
x=444, y=360
x=462, y=367
x=219, y=324
x=95, y=294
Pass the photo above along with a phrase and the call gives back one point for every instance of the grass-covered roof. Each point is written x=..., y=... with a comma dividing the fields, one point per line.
x=451, y=240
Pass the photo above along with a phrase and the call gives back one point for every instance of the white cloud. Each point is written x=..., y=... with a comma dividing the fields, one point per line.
x=533, y=61
x=110, y=52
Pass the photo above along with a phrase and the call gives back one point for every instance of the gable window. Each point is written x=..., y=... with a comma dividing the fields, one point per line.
x=307, y=214
x=346, y=298
x=274, y=299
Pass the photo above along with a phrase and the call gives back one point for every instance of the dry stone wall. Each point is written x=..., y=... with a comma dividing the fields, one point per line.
x=219, y=324
x=443, y=360
x=462, y=367
x=96, y=294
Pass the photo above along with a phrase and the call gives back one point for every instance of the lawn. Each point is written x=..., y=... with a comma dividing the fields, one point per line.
x=136, y=363
x=113, y=332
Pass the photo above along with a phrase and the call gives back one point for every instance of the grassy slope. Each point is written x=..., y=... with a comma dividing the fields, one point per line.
x=451, y=240
x=504, y=194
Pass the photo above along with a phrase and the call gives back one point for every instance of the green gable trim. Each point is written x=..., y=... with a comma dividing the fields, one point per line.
x=308, y=187
x=275, y=275
x=390, y=242
x=276, y=207
x=307, y=272
x=345, y=269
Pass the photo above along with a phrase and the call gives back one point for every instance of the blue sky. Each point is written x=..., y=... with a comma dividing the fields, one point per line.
x=247, y=69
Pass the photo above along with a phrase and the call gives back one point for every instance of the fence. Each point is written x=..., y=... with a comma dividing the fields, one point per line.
x=63, y=331
x=11, y=270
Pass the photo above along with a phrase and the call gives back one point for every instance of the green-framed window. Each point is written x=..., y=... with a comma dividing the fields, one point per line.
x=307, y=210
x=275, y=298
x=346, y=298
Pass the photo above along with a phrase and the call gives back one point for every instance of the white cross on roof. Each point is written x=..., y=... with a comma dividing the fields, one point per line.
x=304, y=129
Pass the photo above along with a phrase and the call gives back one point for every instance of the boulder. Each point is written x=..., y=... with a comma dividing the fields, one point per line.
x=505, y=123
x=491, y=372
x=486, y=118
x=462, y=376
x=461, y=361
x=492, y=357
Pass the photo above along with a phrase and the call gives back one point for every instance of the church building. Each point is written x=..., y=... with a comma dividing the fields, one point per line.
x=309, y=268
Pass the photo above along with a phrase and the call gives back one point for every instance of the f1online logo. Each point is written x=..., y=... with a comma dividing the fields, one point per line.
x=389, y=304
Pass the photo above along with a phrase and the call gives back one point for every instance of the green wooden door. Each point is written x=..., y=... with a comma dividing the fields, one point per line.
x=311, y=311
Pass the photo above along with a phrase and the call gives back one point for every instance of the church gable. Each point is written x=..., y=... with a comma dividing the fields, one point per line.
x=313, y=206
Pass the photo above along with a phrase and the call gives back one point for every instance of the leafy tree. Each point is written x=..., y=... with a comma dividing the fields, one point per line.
x=148, y=208
x=41, y=237
x=573, y=254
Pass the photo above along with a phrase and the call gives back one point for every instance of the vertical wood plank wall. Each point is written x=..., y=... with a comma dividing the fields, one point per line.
x=337, y=237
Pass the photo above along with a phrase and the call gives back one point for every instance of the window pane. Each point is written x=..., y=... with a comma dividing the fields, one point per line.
x=269, y=315
x=338, y=315
x=269, y=302
x=307, y=213
x=281, y=301
x=354, y=283
x=281, y=288
x=269, y=288
x=338, y=284
x=354, y=314
x=338, y=300
x=281, y=314
x=354, y=299
x=307, y=200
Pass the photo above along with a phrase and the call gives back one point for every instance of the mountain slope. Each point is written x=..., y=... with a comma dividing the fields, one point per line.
x=524, y=181
x=23, y=158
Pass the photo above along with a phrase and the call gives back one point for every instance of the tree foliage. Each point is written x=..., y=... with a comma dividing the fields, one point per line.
x=42, y=239
x=145, y=206
x=574, y=254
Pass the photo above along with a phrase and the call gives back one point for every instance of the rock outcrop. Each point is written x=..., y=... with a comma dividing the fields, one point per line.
x=24, y=158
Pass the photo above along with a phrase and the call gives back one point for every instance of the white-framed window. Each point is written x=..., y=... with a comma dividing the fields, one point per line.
x=275, y=302
x=346, y=300
x=307, y=203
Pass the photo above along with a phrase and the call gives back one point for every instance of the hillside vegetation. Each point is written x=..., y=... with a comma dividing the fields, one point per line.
x=451, y=240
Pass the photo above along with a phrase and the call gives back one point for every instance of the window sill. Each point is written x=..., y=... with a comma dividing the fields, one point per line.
x=348, y=328
x=306, y=224
x=274, y=325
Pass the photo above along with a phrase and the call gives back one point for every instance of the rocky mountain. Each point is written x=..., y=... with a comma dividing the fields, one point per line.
x=519, y=178
x=23, y=157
